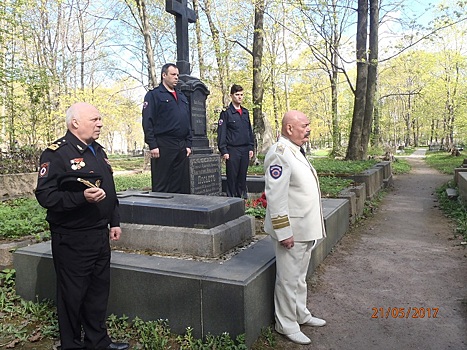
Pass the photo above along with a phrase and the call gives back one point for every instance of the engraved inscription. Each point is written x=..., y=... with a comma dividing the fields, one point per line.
x=205, y=175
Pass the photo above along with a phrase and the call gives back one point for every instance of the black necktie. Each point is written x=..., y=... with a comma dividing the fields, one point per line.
x=302, y=151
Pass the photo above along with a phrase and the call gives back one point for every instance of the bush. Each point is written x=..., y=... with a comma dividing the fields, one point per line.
x=23, y=160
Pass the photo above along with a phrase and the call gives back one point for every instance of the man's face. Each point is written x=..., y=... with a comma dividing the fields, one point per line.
x=170, y=79
x=237, y=98
x=88, y=125
x=299, y=130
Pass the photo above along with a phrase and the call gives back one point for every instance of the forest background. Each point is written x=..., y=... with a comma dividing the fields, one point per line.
x=368, y=73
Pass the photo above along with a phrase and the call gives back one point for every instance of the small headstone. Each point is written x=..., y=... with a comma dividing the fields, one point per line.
x=452, y=193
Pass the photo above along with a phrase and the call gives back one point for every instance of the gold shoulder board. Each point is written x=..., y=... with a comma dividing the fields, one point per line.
x=55, y=146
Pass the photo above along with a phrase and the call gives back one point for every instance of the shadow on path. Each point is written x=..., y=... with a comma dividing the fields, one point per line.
x=405, y=257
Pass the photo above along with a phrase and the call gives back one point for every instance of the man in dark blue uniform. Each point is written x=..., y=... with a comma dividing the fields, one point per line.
x=167, y=131
x=236, y=143
x=75, y=184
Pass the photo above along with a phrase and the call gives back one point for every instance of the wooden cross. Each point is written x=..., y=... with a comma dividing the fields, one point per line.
x=183, y=16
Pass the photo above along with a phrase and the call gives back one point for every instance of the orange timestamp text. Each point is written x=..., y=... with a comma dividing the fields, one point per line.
x=402, y=312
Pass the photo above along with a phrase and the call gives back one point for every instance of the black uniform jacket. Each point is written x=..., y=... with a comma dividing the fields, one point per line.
x=67, y=209
x=234, y=130
x=163, y=115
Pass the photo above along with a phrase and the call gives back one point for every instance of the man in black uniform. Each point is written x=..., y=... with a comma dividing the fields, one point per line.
x=235, y=142
x=76, y=185
x=167, y=131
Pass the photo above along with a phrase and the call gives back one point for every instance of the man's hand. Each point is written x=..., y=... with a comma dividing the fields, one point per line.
x=155, y=153
x=188, y=151
x=115, y=233
x=226, y=156
x=250, y=154
x=288, y=243
x=94, y=194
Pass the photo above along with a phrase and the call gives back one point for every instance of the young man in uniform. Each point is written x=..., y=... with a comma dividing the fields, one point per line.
x=236, y=143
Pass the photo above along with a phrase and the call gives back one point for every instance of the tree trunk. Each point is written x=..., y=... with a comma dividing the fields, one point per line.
x=258, y=88
x=219, y=54
x=199, y=42
x=372, y=77
x=354, y=149
x=146, y=31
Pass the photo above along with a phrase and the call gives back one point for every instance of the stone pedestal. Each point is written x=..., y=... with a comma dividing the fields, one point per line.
x=212, y=297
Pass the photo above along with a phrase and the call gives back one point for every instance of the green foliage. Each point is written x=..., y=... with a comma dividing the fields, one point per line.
x=331, y=186
x=328, y=166
x=400, y=166
x=443, y=161
x=21, y=160
x=258, y=211
x=141, y=181
x=23, y=320
x=22, y=217
x=120, y=163
x=453, y=209
x=26, y=321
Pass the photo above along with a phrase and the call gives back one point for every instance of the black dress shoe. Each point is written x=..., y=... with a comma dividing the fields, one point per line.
x=118, y=346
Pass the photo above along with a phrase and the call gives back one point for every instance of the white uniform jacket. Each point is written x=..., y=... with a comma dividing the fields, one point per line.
x=293, y=195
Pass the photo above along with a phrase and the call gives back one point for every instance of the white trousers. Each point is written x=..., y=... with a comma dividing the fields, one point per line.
x=290, y=292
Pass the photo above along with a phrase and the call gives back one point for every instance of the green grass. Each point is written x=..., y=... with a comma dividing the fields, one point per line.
x=22, y=217
x=444, y=161
x=331, y=186
x=328, y=166
x=454, y=209
x=126, y=163
x=140, y=181
x=400, y=166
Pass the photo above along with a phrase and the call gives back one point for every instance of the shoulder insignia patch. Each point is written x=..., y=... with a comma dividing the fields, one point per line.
x=221, y=121
x=56, y=145
x=275, y=171
x=280, y=148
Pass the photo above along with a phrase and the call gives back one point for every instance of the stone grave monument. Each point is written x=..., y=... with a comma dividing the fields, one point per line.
x=205, y=167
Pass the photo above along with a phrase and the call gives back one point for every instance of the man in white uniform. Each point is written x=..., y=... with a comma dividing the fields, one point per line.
x=294, y=219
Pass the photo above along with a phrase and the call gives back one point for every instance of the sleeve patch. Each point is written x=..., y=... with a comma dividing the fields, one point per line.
x=275, y=171
x=145, y=104
x=44, y=170
x=221, y=121
x=280, y=222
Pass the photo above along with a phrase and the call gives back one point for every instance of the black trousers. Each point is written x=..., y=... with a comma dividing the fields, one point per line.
x=236, y=170
x=170, y=172
x=82, y=266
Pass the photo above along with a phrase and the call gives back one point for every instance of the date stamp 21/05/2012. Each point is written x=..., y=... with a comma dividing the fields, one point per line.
x=402, y=312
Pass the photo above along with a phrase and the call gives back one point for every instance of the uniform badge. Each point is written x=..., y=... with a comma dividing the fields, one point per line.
x=108, y=163
x=145, y=104
x=44, y=170
x=275, y=171
x=280, y=149
x=221, y=121
x=77, y=163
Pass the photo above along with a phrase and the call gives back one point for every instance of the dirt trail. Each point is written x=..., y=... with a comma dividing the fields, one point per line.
x=405, y=256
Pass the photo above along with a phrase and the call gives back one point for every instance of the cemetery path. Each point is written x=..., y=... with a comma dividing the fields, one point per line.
x=396, y=281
